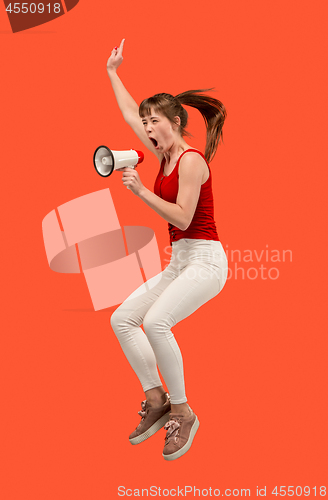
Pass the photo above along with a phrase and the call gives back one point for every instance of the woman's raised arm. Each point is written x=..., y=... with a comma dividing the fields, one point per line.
x=128, y=106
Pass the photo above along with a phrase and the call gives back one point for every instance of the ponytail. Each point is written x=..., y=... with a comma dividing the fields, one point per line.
x=214, y=114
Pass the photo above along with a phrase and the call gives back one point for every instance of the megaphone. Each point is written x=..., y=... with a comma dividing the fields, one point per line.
x=106, y=161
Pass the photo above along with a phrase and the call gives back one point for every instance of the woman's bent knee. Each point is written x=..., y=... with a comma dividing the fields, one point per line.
x=123, y=321
x=155, y=326
x=117, y=320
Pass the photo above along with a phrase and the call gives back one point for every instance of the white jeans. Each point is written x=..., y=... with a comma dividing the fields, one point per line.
x=196, y=273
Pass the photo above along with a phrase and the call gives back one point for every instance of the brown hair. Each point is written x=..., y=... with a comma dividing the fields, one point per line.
x=212, y=110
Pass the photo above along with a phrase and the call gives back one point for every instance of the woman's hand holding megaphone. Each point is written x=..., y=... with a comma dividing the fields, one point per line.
x=132, y=180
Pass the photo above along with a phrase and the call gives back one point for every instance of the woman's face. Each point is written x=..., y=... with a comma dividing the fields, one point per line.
x=160, y=130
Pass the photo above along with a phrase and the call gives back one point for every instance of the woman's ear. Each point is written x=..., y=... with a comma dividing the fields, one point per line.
x=177, y=122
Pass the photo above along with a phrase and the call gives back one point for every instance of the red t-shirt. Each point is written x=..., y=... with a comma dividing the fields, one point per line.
x=202, y=225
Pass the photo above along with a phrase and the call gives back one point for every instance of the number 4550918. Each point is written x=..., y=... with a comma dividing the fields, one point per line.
x=33, y=8
x=299, y=491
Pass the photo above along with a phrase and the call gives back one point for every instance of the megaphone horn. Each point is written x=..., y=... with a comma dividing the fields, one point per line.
x=106, y=161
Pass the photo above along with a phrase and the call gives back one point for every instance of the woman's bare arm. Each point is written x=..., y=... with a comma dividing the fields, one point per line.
x=129, y=108
x=181, y=213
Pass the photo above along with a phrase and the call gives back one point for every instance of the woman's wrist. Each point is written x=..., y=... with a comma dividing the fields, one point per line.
x=143, y=193
x=111, y=72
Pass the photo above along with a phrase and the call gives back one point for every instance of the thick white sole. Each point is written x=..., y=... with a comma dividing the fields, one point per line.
x=152, y=430
x=186, y=447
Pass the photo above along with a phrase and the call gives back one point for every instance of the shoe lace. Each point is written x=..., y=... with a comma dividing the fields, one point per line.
x=172, y=427
x=143, y=410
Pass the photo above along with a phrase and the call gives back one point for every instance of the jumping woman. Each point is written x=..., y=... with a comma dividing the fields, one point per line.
x=198, y=266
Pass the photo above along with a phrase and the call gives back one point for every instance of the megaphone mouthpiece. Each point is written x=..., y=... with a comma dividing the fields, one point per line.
x=140, y=156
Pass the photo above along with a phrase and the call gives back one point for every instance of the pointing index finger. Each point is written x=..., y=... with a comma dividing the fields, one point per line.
x=120, y=50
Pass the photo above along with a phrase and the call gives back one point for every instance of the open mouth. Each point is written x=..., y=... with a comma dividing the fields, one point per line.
x=154, y=141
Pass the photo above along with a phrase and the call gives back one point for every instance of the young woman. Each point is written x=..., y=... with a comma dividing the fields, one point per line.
x=198, y=267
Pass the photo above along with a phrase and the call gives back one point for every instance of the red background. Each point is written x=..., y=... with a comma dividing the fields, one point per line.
x=255, y=357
